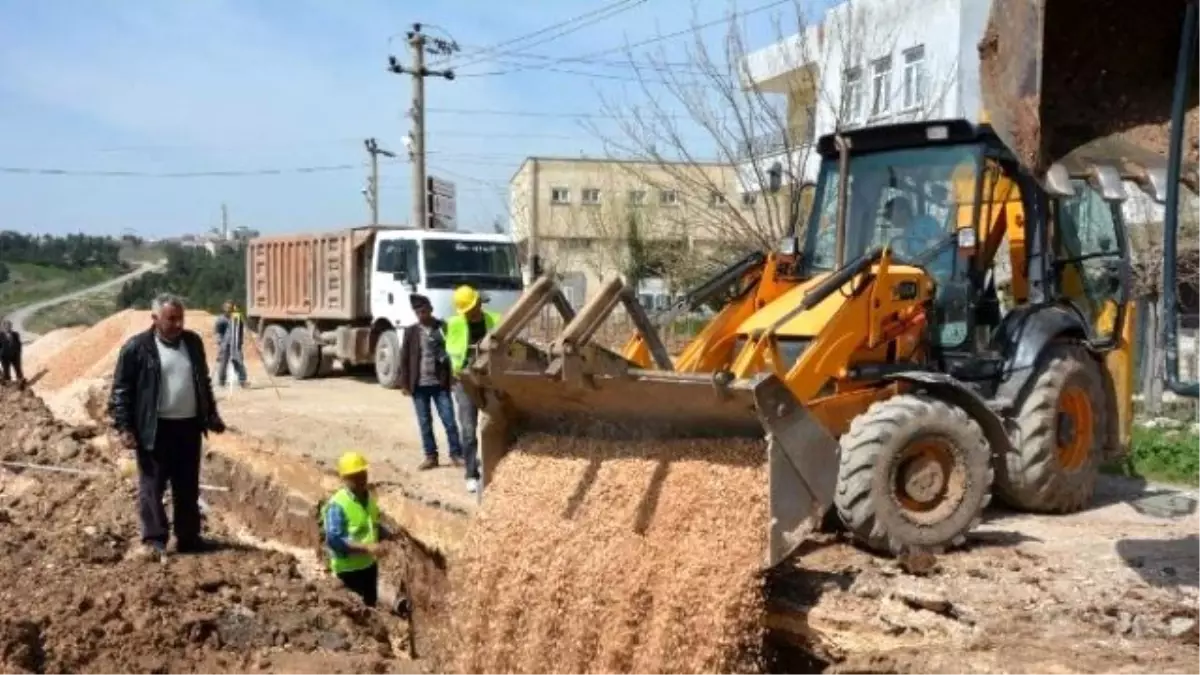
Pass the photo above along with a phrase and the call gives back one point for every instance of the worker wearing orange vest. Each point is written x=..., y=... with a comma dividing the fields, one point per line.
x=463, y=333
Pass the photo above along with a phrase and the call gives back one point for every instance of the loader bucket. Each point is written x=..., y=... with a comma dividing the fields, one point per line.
x=589, y=391
x=1085, y=82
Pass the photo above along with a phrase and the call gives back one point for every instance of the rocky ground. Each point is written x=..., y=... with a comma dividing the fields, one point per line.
x=78, y=600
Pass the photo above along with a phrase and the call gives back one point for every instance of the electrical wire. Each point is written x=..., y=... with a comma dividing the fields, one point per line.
x=235, y=173
x=563, y=27
x=660, y=38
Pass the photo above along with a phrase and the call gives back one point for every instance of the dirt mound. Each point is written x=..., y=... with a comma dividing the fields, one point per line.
x=77, y=601
x=39, y=353
x=647, y=561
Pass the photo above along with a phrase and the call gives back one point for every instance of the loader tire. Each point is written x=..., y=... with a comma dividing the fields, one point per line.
x=387, y=360
x=274, y=348
x=1055, y=461
x=303, y=354
x=915, y=475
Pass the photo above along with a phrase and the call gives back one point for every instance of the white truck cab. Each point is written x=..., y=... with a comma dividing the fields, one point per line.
x=433, y=263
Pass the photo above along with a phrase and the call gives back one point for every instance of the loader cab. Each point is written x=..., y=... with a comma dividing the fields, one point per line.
x=434, y=263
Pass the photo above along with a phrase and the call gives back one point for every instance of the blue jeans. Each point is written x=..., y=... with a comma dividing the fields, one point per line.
x=440, y=398
x=468, y=416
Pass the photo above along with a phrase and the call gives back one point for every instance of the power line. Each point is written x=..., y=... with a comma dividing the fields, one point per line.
x=236, y=173
x=660, y=38
x=563, y=27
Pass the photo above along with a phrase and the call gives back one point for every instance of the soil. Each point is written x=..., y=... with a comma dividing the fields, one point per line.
x=1112, y=589
x=1105, y=71
x=645, y=562
x=78, y=599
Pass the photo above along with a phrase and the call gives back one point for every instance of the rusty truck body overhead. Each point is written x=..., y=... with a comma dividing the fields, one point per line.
x=344, y=296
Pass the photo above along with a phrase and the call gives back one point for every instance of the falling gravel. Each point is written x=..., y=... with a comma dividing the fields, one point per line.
x=610, y=556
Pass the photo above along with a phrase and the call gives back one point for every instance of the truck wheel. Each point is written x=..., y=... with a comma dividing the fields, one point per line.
x=915, y=475
x=1055, y=461
x=303, y=354
x=274, y=348
x=387, y=360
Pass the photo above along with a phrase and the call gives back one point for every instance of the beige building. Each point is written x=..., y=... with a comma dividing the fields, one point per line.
x=578, y=215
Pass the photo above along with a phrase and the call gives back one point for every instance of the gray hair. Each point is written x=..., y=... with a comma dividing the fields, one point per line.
x=164, y=299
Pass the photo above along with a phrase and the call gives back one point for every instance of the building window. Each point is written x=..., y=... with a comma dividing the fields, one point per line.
x=668, y=197
x=881, y=77
x=717, y=199
x=560, y=195
x=852, y=95
x=749, y=199
x=637, y=197
x=591, y=196
x=914, y=77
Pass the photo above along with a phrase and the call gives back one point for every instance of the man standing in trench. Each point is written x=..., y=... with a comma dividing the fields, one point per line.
x=161, y=406
x=463, y=333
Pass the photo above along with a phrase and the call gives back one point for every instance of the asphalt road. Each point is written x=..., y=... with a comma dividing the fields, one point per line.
x=21, y=315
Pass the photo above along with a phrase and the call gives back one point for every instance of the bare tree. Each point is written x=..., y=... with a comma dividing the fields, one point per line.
x=710, y=111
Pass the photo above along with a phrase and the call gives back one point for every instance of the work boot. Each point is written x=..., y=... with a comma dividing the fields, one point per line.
x=427, y=464
x=152, y=550
x=456, y=461
x=197, y=545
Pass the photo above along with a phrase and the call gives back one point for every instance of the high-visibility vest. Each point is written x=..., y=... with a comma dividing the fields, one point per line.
x=363, y=526
x=458, y=338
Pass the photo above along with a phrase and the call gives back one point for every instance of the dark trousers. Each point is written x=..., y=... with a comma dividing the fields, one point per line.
x=10, y=366
x=175, y=460
x=226, y=357
x=363, y=582
x=468, y=419
x=434, y=396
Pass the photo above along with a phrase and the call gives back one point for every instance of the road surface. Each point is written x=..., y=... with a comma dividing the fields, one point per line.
x=23, y=314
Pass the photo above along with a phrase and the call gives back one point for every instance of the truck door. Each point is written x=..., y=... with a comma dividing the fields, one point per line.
x=397, y=275
x=1091, y=266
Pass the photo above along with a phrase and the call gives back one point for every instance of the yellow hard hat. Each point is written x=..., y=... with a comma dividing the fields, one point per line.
x=465, y=299
x=351, y=463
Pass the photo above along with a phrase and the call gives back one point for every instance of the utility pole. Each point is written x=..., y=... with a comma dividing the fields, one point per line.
x=224, y=222
x=372, y=191
x=419, y=43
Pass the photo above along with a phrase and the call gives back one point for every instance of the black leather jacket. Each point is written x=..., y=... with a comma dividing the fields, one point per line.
x=133, y=405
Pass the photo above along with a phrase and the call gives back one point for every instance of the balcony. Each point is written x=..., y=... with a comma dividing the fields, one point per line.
x=778, y=68
x=799, y=165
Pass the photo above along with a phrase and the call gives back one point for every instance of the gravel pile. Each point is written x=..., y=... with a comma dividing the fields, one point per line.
x=647, y=560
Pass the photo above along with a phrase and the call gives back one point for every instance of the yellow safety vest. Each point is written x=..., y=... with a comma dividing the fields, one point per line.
x=363, y=525
x=458, y=338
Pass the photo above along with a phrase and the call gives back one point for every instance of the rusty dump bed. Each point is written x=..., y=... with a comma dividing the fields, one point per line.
x=1087, y=80
x=310, y=276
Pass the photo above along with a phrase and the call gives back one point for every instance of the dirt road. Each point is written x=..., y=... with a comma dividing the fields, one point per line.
x=20, y=316
x=321, y=418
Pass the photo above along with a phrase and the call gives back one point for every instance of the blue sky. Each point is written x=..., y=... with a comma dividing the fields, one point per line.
x=166, y=86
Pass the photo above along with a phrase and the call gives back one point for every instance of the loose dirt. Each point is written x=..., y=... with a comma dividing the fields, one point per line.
x=645, y=562
x=77, y=600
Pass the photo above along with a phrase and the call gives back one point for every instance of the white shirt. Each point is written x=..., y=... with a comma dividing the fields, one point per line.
x=177, y=388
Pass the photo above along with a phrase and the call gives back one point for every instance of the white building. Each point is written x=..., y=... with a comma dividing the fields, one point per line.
x=869, y=62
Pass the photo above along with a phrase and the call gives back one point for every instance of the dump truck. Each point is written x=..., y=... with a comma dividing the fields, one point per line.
x=316, y=299
x=888, y=378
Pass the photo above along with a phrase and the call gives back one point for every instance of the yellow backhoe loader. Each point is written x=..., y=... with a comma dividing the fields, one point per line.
x=954, y=320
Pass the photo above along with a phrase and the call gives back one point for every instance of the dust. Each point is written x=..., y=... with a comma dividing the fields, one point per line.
x=77, y=600
x=609, y=556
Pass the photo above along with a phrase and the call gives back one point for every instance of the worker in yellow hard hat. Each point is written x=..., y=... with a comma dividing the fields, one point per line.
x=352, y=529
x=464, y=331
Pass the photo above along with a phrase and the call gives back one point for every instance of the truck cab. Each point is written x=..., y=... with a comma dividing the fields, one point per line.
x=433, y=263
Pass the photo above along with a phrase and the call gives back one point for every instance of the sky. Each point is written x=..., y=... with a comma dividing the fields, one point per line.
x=153, y=87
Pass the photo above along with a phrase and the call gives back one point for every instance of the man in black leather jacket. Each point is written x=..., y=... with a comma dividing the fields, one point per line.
x=10, y=354
x=161, y=406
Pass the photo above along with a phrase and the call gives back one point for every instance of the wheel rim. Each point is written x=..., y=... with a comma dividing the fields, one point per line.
x=1074, y=426
x=383, y=358
x=928, y=482
x=271, y=349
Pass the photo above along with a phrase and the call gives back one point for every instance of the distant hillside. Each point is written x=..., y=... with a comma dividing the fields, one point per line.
x=204, y=280
x=39, y=267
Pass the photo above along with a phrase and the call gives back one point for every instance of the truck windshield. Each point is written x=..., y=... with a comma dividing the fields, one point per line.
x=910, y=199
x=486, y=265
